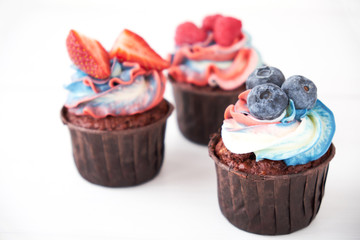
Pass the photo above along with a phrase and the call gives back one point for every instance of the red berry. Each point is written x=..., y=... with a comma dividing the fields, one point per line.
x=226, y=30
x=131, y=47
x=209, y=22
x=88, y=55
x=189, y=33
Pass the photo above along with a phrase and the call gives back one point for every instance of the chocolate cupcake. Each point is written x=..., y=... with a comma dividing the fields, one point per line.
x=115, y=110
x=208, y=70
x=272, y=162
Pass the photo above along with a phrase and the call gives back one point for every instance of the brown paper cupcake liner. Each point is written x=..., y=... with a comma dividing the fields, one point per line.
x=200, y=113
x=270, y=205
x=118, y=158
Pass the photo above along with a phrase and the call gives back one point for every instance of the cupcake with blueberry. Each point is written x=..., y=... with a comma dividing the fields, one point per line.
x=208, y=70
x=273, y=153
x=115, y=109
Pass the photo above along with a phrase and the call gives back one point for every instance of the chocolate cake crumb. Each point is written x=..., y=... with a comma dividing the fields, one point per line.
x=120, y=122
x=247, y=163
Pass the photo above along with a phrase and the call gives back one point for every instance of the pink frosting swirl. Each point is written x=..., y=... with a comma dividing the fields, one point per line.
x=244, y=59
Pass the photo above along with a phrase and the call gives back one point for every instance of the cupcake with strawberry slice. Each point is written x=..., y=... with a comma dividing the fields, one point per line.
x=208, y=70
x=115, y=109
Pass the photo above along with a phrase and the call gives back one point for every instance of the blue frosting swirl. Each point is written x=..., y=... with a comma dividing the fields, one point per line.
x=300, y=137
x=128, y=90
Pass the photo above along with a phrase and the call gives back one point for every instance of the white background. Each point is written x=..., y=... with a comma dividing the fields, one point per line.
x=42, y=196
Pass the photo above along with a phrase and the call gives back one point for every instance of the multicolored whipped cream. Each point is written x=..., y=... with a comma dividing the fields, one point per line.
x=129, y=90
x=297, y=136
x=125, y=81
x=209, y=63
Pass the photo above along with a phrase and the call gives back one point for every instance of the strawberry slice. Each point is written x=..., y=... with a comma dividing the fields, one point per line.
x=132, y=48
x=88, y=55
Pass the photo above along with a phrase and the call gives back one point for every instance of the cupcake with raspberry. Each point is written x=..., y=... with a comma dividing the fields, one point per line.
x=115, y=109
x=208, y=70
x=273, y=153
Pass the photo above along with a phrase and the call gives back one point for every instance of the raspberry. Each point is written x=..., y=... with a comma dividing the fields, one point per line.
x=209, y=22
x=189, y=33
x=226, y=30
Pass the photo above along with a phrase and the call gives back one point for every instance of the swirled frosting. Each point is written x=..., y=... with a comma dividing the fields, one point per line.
x=208, y=63
x=297, y=136
x=129, y=90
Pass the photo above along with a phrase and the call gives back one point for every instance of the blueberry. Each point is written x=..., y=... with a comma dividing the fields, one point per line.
x=265, y=74
x=301, y=90
x=267, y=101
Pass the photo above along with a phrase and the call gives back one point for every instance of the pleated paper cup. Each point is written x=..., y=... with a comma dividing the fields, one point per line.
x=118, y=158
x=200, y=113
x=270, y=205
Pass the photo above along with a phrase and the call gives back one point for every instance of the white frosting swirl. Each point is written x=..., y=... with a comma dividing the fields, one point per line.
x=299, y=137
